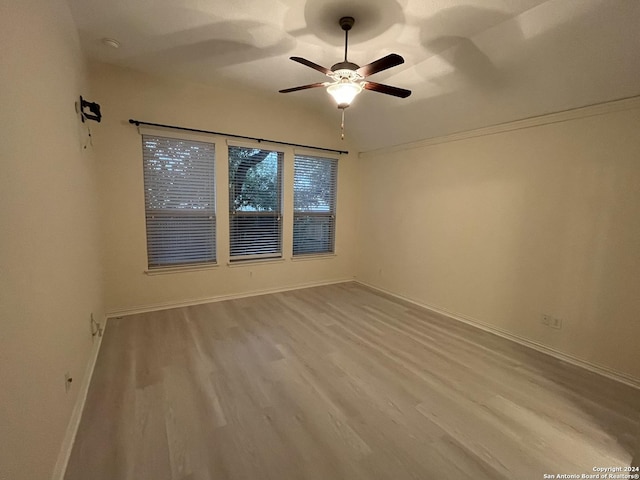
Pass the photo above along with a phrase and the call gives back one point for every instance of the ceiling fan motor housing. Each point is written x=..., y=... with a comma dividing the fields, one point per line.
x=344, y=66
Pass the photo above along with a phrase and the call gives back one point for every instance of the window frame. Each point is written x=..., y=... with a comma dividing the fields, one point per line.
x=172, y=214
x=235, y=214
x=311, y=214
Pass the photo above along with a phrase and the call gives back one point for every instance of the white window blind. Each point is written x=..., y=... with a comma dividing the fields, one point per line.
x=314, y=204
x=255, y=203
x=179, y=187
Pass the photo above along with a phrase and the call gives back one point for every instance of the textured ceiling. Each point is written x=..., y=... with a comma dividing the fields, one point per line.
x=469, y=64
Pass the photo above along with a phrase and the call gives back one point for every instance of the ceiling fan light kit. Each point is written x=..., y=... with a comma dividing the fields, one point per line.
x=349, y=78
x=344, y=92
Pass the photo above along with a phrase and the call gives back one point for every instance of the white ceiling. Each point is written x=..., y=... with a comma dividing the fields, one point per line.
x=469, y=63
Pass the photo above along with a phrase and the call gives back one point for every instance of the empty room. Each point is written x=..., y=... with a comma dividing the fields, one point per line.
x=320, y=239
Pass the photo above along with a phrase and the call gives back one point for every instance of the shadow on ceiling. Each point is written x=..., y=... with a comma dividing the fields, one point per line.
x=373, y=18
x=221, y=44
x=448, y=33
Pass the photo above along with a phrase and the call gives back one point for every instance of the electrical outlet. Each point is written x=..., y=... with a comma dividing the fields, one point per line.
x=67, y=382
x=551, y=321
x=556, y=323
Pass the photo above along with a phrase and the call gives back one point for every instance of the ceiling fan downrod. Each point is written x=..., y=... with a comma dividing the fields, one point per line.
x=346, y=23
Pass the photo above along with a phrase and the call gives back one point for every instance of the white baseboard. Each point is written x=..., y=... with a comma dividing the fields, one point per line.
x=76, y=415
x=219, y=298
x=599, y=369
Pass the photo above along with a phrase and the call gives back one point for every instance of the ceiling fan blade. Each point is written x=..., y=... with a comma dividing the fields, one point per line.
x=391, y=60
x=309, y=63
x=387, y=89
x=303, y=87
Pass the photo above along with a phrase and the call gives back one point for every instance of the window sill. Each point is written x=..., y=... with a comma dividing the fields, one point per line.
x=313, y=256
x=180, y=269
x=257, y=261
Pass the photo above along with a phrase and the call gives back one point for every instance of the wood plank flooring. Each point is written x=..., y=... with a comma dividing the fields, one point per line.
x=339, y=382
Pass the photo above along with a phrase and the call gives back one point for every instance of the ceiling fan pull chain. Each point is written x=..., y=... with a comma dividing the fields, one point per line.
x=342, y=125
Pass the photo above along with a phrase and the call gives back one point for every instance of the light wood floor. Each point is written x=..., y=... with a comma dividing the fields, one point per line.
x=339, y=382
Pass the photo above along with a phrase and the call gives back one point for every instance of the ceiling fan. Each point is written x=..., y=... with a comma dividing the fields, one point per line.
x=348, y=79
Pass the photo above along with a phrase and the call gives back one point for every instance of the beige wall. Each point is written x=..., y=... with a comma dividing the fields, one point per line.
x=126, y=94
x=499, y=228
x=504, y=227
x=50, y=278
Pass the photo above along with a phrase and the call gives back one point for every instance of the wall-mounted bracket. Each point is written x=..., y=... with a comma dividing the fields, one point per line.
x=93, y=113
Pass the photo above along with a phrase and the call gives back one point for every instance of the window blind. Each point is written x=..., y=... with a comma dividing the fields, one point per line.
x=179, y=187
x=314, y=204
x=255, y=203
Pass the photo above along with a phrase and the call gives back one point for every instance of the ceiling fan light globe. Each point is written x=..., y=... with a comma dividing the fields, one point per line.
x=344, y=92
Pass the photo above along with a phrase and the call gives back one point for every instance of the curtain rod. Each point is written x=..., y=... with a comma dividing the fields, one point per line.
x=139, y=122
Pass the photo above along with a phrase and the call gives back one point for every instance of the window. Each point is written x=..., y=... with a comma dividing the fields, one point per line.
x=179, y=191
x=255, y=203
x=314, y=205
